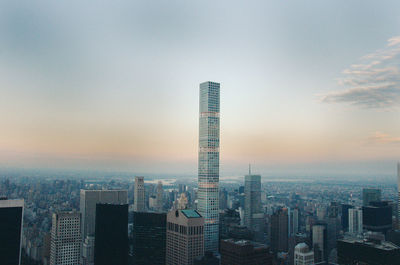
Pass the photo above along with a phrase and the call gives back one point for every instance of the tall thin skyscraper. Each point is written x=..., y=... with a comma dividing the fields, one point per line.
x=355, y=221
x=11, y=219
x=208, y=194
x=65, y=238
x=139, y=198
x=252, y=201
x=160, y=197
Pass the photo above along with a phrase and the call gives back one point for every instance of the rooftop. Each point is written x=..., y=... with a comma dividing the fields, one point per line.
x=191, y=213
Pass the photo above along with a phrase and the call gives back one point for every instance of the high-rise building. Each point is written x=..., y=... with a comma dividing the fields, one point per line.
x=88, y=201
x=243, y=252
x=65, y=238
x=252, y=202
x=279, y=231
x=355, y=221
x=320, y=241
x=111, y=236
x=139, y=195
x=185, y=237
x=88, y=251
x=370, y=195
x=303, y=255
x=377, y=217
x=11, y=220
x=295, y=221
x=160, y=197
x=345, y=216
x=208, y=171
x=367, y=251
x=149, y=238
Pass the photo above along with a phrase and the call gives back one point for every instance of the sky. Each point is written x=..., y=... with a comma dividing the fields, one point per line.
x=307, y=87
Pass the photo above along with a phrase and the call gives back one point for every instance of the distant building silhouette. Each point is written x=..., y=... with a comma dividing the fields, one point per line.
x=370, y=195
x=11, y=221
x=139, y=195
x=252, y=203
x=279, y=231
x=111, y=237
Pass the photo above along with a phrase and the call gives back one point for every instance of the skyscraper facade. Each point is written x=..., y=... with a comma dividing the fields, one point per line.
x=11, y=219
x=111, y=237
x=66, y=238
x=355, y=221
x=279, y=231
x=252, y=201
x=139, y=197
x=320, y=241
x=208, y=171
x=149, y=238
x=185, y=237
x=160, y=197
x=88, y=201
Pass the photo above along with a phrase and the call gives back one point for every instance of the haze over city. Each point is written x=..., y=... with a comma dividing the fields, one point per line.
x=307, y=87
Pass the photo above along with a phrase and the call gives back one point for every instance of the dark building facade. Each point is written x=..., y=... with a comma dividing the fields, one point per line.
x=367, y=252
x=345, y=216
x=279, y=231
x=243, y=252
x=11, y=215
x=377, y=217
x=149, y=238
x=111, y=234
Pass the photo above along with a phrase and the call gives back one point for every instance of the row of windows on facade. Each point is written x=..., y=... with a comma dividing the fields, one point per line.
x=191, y=230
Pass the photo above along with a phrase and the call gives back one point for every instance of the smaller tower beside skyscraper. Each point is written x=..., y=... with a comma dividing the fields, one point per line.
x=160, y=197
x=279, y=231
x=139, y=196
x=252, y=204
x=11, y=220
x=65, y=238
x=355, y=221
x=185, y=237
x=370, y=195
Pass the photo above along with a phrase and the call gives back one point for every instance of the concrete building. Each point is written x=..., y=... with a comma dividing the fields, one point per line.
x=139, y=195
x=303, y=255
x=252, y=202
x=208, y=171
x=355, y=221
x=65, y=238
x=88, y=201
x=185, y=237
x=11, y=222
x=88, y=251
x=243, y=252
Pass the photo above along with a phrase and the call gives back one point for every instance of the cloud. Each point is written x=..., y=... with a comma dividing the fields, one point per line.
x=380, y=137
x=374, y=82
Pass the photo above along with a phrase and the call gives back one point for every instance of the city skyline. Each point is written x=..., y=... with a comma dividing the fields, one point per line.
x=303, y=85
